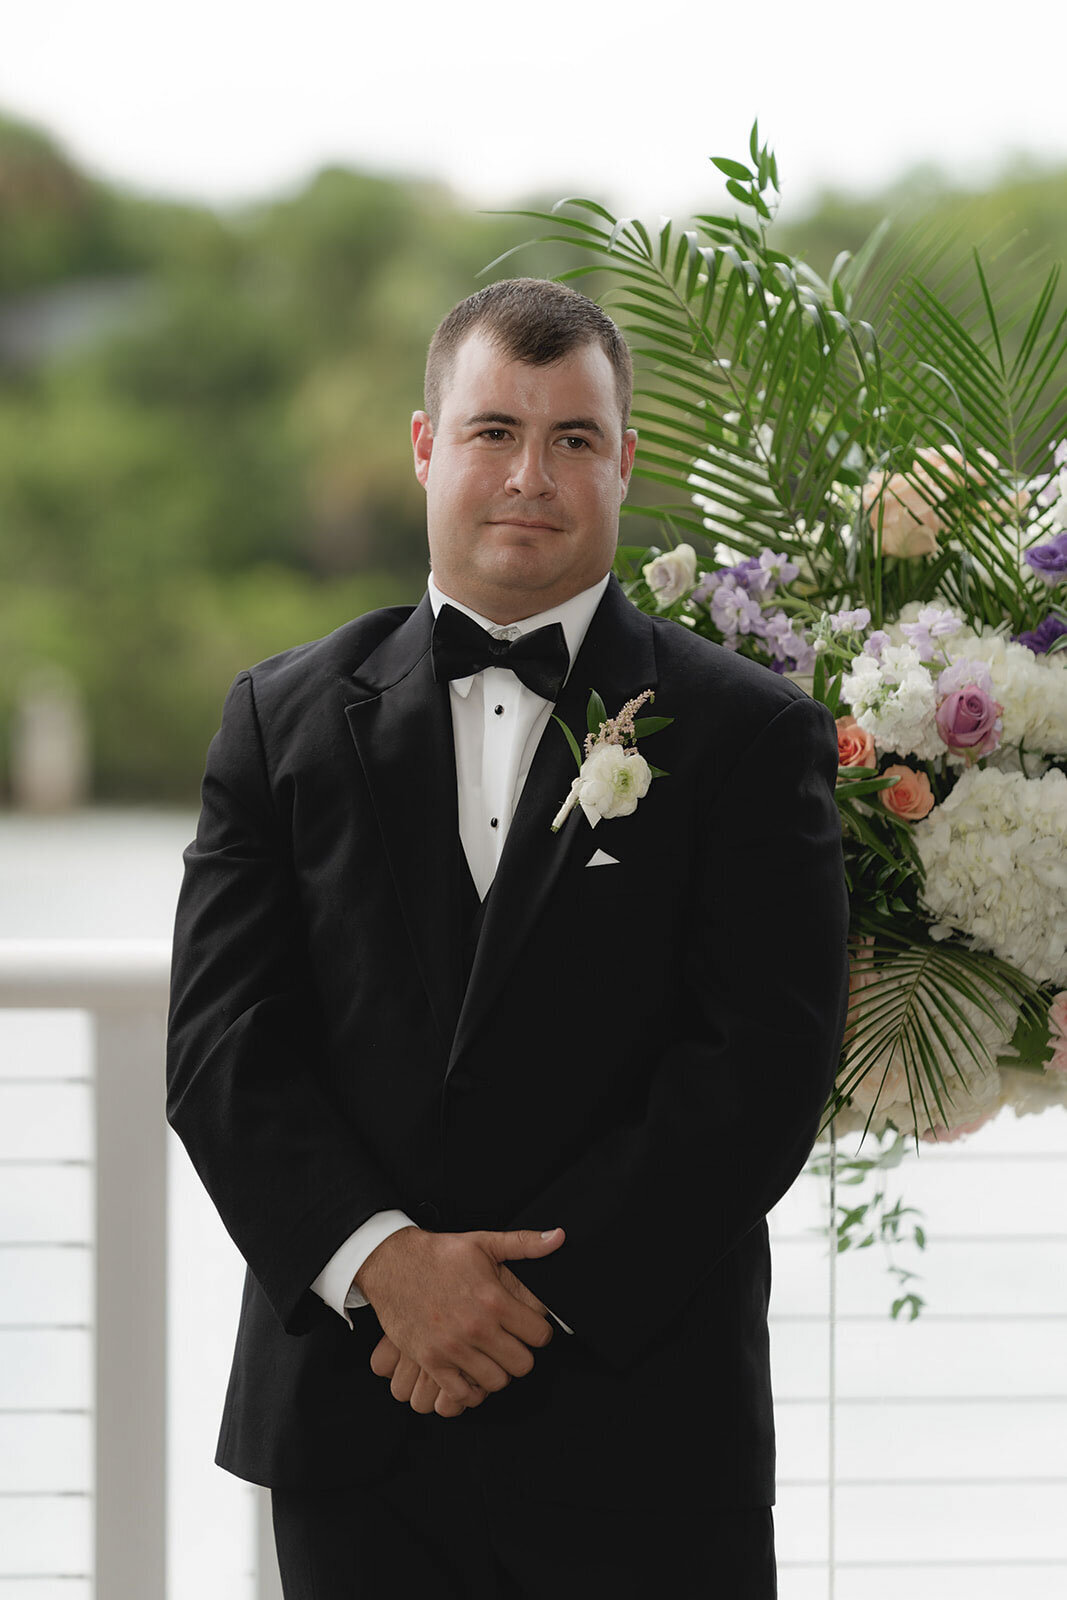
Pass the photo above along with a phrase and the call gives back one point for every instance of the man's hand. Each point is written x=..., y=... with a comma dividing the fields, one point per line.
x=412, y=1384
x=454, y=1313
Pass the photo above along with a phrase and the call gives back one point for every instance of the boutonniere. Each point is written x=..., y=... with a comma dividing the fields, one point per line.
x=614, y=775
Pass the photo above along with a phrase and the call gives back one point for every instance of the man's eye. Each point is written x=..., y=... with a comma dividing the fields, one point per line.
x=575, y=441
x=493, y=434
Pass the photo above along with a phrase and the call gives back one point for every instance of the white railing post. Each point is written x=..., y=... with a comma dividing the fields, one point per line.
x=131, y=1304
x=268, y=1582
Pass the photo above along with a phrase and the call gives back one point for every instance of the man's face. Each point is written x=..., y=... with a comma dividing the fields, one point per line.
x=524, y=476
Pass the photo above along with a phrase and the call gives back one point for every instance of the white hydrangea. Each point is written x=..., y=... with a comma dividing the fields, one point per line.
x=1030, y=1093
x=893, y=699
x=995, y=855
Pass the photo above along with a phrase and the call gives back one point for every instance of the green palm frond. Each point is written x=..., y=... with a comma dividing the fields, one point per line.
x=935, y=1011
x=753, y=384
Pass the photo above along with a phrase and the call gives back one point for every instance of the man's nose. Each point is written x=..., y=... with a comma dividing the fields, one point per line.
x=530, y=473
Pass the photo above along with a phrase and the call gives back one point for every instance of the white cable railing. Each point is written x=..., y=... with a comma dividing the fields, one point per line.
x=122, y=986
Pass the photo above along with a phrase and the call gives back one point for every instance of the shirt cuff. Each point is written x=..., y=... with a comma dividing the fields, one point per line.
x=334, y=1283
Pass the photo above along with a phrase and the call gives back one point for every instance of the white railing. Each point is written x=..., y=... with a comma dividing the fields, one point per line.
x=975, y=1390
x=122, y=985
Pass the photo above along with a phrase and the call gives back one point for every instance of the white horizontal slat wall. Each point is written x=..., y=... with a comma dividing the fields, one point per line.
x=950, y=1433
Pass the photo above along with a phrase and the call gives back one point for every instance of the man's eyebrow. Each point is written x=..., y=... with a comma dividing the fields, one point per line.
x=502, y=419
x=579, y=425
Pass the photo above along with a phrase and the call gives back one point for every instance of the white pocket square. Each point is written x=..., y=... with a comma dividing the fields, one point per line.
x=602, y=859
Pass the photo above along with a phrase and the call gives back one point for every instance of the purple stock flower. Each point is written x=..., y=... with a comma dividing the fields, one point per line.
x=734, y=611
x=1045, y=634
x=966, y=674
x=876, y=643
x=1049, y=561
x=850, y=621
x=930, y=624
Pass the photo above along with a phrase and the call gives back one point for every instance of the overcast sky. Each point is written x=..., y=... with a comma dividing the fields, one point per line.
x=227, y=100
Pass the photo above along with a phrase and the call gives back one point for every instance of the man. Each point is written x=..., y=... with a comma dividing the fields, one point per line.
x=495, y=1113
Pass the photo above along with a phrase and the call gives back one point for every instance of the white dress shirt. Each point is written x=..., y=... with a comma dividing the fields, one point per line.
x=497, y=724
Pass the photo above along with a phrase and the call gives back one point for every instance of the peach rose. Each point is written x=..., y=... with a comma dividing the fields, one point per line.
x=911, y=797
x=907, y=514
x=908, y=506
x=855, y=746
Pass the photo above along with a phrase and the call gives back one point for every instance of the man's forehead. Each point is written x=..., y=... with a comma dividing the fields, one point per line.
x=487, y=380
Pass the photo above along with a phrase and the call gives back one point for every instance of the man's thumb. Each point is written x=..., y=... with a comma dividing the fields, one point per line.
x=523, y=1244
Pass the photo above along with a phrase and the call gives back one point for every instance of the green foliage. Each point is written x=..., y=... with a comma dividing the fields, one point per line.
x=187, y=395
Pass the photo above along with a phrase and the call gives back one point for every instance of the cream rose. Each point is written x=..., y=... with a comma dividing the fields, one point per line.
x=672, y=574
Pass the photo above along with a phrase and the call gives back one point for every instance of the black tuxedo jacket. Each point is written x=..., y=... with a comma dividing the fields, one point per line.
x=640, y=1055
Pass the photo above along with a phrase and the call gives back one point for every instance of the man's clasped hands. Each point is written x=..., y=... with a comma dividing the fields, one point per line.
x=457, y=1324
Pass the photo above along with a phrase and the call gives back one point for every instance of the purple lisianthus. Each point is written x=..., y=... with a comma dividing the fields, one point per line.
x=1040, y=639
x=1049, y=561
x=969, y=721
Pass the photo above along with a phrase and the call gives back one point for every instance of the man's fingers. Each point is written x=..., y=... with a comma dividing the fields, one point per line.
x=404, y=1379
x=384, y=1358
x=424, y=1394
x=521, y=1244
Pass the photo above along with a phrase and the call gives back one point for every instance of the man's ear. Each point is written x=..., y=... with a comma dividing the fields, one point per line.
x=421, y=444
x=629, y=445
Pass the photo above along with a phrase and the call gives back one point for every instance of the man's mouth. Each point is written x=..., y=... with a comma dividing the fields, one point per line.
x=523, y=522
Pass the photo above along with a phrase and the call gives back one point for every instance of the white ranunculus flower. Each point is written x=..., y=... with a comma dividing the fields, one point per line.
x=672, y=574
x=611, y=782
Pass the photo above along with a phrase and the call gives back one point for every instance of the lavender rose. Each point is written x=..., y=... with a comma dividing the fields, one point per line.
x=1049, y=561
x=969, y=721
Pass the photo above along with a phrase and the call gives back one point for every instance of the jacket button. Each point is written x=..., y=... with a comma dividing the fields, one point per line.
x=427, y=1216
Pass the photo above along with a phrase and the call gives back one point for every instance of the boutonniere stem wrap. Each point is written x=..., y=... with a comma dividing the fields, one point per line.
x=614, y=775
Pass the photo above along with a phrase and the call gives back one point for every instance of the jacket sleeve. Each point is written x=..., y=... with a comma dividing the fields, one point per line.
x=244, y=1091
x=734, y=1102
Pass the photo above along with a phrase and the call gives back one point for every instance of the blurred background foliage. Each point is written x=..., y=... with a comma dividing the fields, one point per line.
x=204, y=417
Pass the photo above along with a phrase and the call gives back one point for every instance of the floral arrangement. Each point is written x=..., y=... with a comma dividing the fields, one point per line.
x=869, y=467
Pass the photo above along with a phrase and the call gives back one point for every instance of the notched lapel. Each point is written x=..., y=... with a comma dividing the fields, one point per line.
x=401, y=724
x=618, y=660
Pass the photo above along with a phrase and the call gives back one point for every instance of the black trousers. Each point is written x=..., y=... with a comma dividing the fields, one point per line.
x=443, y=1528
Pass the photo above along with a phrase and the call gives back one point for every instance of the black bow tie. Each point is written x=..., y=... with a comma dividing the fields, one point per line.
x=461, y=648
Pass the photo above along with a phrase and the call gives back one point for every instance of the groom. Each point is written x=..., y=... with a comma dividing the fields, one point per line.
x=495, y=1113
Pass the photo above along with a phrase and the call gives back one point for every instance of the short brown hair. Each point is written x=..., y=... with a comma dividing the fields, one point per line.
x=528, y=319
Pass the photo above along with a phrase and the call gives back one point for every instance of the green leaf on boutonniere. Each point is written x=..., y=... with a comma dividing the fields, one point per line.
x=658, y=772
x=646, y=725
x=595, y=713
x=571, y=740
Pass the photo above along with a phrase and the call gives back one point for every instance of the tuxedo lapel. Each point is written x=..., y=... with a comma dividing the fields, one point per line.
x=617, y=659
x=401, y=723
